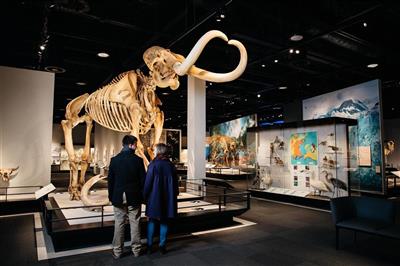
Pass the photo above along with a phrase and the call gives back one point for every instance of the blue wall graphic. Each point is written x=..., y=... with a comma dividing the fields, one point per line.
x=359, y=102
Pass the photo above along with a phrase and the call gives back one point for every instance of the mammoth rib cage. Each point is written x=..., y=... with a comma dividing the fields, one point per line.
x=114, y=115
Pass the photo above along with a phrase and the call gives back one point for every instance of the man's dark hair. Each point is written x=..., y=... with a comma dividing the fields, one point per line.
x=129, y=139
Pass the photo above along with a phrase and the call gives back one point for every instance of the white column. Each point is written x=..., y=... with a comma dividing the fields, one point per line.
x=196, y=128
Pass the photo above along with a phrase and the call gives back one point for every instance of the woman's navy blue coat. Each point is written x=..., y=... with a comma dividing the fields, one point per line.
x=161, y=190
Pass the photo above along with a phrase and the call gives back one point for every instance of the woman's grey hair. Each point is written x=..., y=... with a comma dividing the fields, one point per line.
x=161, y=149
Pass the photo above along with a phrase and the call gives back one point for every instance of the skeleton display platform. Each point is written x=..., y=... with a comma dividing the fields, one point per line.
x=200, y=207
x=187, y=203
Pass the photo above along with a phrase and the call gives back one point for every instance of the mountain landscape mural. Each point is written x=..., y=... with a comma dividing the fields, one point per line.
x=359, y=102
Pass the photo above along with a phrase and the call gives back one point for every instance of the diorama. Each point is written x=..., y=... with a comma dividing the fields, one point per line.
x=228, y=148
x=305, y=159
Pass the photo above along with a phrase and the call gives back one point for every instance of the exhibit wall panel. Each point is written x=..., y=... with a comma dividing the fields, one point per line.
x=108, y=143
x=361, y=102
x=26, y=117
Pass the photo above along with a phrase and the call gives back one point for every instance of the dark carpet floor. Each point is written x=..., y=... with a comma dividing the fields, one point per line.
x=17, y=240
x=284, y=235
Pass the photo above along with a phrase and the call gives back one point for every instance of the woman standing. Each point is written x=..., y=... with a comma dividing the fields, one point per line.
x=160, y=194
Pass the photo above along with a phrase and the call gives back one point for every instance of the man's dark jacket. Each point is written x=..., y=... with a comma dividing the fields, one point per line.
x=126, y=174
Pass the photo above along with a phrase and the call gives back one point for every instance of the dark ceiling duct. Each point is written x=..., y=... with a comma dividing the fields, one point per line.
x=71, y=6
x=344, y=40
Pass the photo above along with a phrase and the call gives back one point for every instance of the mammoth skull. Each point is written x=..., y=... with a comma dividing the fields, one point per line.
x=6, y=173
x=165, y=66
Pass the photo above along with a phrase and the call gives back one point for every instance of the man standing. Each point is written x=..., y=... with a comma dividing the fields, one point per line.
x=125, y=184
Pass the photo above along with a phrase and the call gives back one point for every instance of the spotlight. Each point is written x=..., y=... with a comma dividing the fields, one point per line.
x=220, y=15
x=372, y=65
x=42, y=47
x=258, y=95
x=263, y=65
x=291, y=51
x=296, y=37
x=276, y=61
x=365, y=24
x=103, y=55
x=297, y=51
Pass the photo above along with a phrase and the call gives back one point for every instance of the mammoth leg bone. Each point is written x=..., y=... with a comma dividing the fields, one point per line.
x=135, y=113
x=72, y=119
x=158, y=127
x=86, y=156
x=73, y=163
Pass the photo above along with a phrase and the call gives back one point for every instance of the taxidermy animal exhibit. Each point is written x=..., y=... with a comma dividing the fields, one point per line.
x=129, y=102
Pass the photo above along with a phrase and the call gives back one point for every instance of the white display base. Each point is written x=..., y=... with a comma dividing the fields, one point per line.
x=285, y=191
x=227, y=171
x=63, y=201
x=396, y=173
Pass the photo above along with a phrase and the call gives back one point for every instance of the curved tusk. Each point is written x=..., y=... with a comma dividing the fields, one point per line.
x=223, y=77
x=14, y=169
x=85, y=192
x=182, y=68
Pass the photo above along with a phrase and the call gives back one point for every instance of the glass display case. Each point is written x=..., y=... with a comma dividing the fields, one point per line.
x=312, y=159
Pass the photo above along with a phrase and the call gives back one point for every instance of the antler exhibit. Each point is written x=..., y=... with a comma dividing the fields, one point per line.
x=129, y=103
x=6, y=173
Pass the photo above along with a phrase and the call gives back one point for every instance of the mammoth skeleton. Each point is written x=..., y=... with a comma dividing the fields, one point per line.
x=129, y=102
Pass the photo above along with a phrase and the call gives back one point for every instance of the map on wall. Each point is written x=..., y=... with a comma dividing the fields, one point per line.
x=361, y=102
x=303, y=148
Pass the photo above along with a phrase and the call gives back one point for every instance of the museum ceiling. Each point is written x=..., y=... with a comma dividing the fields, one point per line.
x=339, y=40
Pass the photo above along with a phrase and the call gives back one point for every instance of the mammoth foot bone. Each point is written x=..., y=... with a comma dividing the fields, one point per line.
x=74, y=193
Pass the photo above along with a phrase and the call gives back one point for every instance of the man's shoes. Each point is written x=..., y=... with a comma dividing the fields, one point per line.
x=115, y=256
x=136, y=254
x=163, y=250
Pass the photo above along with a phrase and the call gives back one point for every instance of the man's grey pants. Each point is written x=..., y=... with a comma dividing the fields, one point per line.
x=120, y=213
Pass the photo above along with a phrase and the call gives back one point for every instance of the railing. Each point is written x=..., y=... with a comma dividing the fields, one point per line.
x=6, y=194
x=211, y=198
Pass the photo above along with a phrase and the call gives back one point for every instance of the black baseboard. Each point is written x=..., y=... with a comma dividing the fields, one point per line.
x=308, y=202
x=17, y=207
x=87, y=237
